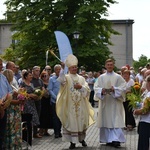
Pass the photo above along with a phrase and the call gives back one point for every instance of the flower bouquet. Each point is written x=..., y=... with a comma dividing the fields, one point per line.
x=39, y=93
x=146, y=105
x=22, y=96
x=134, y=97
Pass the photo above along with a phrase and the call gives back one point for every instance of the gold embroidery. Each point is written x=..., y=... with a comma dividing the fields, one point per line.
x=76, y=95
x=76, y=98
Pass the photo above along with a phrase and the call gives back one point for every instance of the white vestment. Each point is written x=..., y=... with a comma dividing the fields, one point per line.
x=111, y=115
x=73, y=107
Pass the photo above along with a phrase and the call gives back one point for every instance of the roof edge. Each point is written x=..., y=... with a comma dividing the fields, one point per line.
x=125, y=21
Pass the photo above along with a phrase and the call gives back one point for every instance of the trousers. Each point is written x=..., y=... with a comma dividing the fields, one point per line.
x=144, y=136
x=3, y=122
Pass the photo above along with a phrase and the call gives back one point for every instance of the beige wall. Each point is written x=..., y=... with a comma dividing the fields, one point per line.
x=122, y=48
x=5, y=36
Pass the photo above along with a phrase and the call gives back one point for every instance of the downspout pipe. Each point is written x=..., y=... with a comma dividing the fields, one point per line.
x=127, y=42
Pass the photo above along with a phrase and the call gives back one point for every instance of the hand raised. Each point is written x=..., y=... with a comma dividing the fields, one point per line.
x=62, y=65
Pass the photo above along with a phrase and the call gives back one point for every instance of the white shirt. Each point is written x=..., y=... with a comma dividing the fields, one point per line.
x=140, y=77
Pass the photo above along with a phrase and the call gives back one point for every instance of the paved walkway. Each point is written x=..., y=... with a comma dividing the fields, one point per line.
x=92, y=139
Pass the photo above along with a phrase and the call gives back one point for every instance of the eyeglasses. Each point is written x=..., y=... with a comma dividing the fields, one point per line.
x=48, y=69
x=44, y=76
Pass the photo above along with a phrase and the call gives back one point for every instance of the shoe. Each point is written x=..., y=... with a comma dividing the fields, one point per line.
x=56, y=136
x=40, y=132
x=46, y=134
x=125, y=128
x=83, y=143
x=72, y=145
x=116, y=144
x=129, y=127
x=109, y=144
x=60, y=135
x=37, y=136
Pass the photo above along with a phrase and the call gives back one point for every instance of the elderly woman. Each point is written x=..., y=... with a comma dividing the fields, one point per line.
x=29, y=107
x=46, y=107
x=129, y=118
x=13, y=128
x=144, y=124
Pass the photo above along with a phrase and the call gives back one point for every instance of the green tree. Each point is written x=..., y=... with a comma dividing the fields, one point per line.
x=143, y=60
x=35, y=22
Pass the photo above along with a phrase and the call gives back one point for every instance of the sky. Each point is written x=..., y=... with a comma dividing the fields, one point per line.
x=137, y=10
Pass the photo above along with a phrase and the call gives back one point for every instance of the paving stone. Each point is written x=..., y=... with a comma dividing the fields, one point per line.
x=92, y=139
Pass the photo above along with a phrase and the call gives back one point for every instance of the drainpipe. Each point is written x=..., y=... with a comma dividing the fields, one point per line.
x=127, y=42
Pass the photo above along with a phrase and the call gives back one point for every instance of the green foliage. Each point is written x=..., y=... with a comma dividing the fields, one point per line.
x=143, y=60
x=134, y=96
x=37, y=20
x=4, y=21
x=9, y=55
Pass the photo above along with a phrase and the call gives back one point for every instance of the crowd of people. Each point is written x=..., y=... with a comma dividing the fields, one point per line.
x=66, y=103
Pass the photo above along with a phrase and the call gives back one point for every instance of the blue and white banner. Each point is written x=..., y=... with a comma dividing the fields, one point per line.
x=63, y=45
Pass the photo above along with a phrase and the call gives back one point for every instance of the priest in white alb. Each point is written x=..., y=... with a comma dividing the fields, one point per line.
x=110, y=92
x=72, y=105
